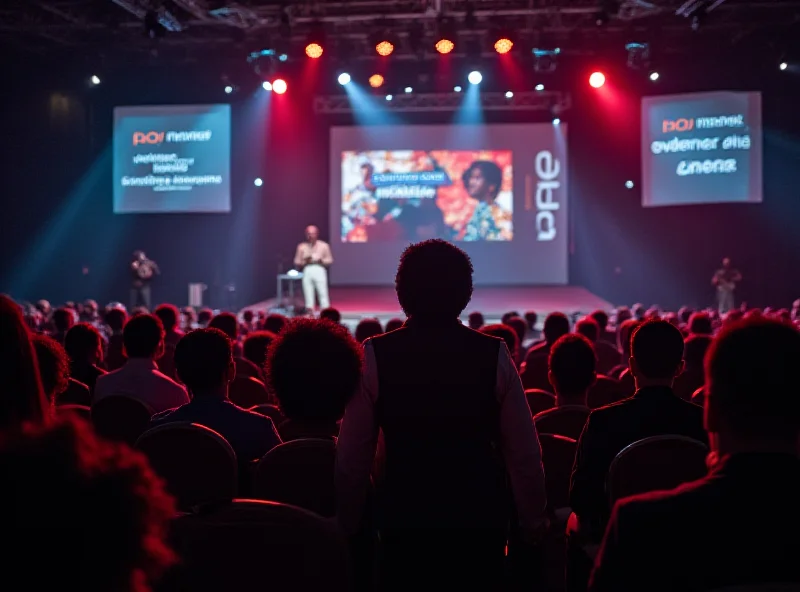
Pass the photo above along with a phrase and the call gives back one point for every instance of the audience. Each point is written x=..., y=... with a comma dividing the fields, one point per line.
x=520, y=327
x=475, y=320
x=22, y=397
x=94, y=508
x=169, y=316
x=533, y=370
x=255, y=346
x=53, y=366
x=533, y=335
x=84, y=346
x=229, y=324
x=330, y=314
x=367, y=328
x=140, y=378
x=204, y=362
x=394, y=323
x=700, y=324
x=274, y=323
x=63, y=319
x=736, y=526
x=692, y=378
x=313, y=368
x=204, y=317
x=624, y=332
x=572, y=369
x=444, y=486
x=608, y=356
x=115, y=319
x=506, y=333
x=654, y=410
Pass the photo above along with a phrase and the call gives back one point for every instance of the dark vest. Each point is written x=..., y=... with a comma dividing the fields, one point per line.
x=440, y=419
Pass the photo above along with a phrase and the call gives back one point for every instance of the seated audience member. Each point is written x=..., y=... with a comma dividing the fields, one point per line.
x=572, y=369
x=520, y=327
x=505, y=333
x=229, y=324
x=168, y=314
x=533, y=370
x=394, y=324
x=313, y=368
x=638, y=311
x=692, y=378
x=533, y=335
x=84, y=346
x=654, y=410
x=188, y=319
x=607, y=355
x=23, y=398
x=274, y=323
x=330, y=314
x=475, y=320
x=700, y=324
x=367, y=328
x=255, y=347
x=63, y=319
x=448, y=400
x=733, y=316
x=204, y=317
x=97, y=505
x=53, y=367
x=738, y=525
x=601, y=318
x=624, y=332
x=140, y=378
x=248, y=323
x=204, y=362
x=115, y=318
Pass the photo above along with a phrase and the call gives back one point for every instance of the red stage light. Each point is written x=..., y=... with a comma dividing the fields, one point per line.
x=376, y=80
x=445, y=46
x=314, y=50
x=279, y=86
x=503, y=45
x=597, y=79
x=384, y=48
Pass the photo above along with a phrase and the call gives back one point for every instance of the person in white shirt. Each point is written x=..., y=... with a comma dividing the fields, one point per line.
x=314, y=257
x=139, y=378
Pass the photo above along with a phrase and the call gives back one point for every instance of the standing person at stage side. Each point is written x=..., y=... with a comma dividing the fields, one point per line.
x=725, y=280
x=314, y=257
x=143, y=270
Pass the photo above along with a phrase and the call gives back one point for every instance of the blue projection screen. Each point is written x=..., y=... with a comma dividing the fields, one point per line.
x=701, y=148
x=172, y=158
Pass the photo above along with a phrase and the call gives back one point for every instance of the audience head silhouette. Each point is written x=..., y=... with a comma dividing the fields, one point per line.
x=274, y=323
x=700, y=324
x=589, y=328
x=115, y=318
x=433, y=281
x=255, y=347
x=227, y=323
x=204, y=316
x=367, y=328
x=331, y=314
x=393, y=324
x=519, y=326
x=505, y=333
x=530, y=318
x=204, y=362
x=572, y=368
x=601, y=318
x=624, y=334
x=53, y=365
x=752, y=386
x=143, y=337
x=314, y=368
x=555, y=325
x=63, y=319
x=169, y=316
x=656, y=353
x=476, y=320
x=84, y=344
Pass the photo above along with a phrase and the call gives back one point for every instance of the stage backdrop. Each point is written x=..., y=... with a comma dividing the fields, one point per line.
x=498, y=191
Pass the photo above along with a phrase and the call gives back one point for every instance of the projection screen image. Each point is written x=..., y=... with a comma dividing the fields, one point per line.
x=498, y=191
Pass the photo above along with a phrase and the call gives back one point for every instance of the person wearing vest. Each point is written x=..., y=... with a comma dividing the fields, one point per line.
x=458, y=436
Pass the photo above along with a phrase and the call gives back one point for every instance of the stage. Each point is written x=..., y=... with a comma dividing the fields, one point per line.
x=358, y=302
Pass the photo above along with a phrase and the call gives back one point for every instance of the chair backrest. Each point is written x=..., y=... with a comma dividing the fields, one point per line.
x=300, y=473
x=251, y=545
x=539, y=400
x=558, y=456
x=565, y=421
x=120, y=418
x=246, y=391
x=81, y=411
x=605, y=391
x=197, y=463
x=271, y=411
x=656, y=463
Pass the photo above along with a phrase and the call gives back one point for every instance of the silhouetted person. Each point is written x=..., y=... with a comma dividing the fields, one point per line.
x=229, y=324
x=725, y=280
x=393, y=324
x=367, y=328
x=63, y=319
x=608, y=355
x=115, y=319
x=572, y=372
x=275, y=323
x=533, y=370
x=255, y=347
x=331, y=314
x=736, y=526
x=53, y=367
x=84, y=346
x=475, y=320
x=504, y=332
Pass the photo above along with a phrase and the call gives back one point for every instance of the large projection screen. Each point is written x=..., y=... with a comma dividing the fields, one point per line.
x=497, y=191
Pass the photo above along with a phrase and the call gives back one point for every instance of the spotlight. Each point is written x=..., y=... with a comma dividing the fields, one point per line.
x=389, y=97
x=266, y=85
x=628, y=184
x=95, y=79
x=474, y=77
x=503, y=45
x=314, y=50
x=408, y=89
x=540, y=86
x=654, y=75
x=597, y=79
x=444, y=46
x=509, y=94
x=376, y=81
x=556, y=120
x=258, y=182
x=228, y=89
x=384, y=48
x=279, y=86
x=344, y=78
x=783, y=65
x=457, y=88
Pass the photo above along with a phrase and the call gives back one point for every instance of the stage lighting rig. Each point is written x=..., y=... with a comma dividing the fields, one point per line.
x=545, y=60
x=638, y=56
x=315, y=41
x=502, y=41
x=607, y=9
x=376, y=81
x=446, y=37
x=383, y=41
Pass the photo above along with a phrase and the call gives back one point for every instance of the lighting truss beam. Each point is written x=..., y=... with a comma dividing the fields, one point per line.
x=451, y=102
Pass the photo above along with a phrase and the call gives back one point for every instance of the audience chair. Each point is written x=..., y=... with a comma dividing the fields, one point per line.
x=197, y=463
x=246, y=391
x=300, y=473
x=564, y=421
x=76, y=393
x=120, y=418
x=539, y=400
x=655, y=463
x=271, y=411
x=699, y=396
x=605, y=391
x=81, y=411
x=558, y=456
x=249, y=545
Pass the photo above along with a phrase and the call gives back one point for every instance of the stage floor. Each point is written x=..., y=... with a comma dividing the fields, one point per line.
x=357, y=302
